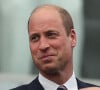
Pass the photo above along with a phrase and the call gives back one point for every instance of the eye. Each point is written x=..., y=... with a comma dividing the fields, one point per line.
x=34, y=37
x=52, y=34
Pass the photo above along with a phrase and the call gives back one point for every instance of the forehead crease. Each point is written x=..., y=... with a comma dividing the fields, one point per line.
x=45, y=23
x=40, y=28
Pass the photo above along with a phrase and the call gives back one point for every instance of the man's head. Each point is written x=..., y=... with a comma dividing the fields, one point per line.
x=50, y=46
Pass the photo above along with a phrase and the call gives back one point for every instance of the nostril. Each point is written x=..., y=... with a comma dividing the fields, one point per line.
x=44, y=47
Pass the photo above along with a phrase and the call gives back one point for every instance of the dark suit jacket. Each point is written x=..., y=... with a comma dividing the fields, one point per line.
x=35, y=85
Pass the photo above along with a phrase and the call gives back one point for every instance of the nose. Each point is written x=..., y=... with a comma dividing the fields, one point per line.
x=43, y=45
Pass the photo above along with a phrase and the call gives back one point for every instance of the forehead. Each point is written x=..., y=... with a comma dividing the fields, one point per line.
x=45, y=14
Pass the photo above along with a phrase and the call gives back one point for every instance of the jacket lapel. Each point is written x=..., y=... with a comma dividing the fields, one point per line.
x=35, y=85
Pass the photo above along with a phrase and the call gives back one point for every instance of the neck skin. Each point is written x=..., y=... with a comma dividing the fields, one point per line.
x=61, y=76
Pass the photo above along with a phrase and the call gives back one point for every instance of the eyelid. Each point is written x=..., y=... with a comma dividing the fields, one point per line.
x=52, y=33
x=34, y=37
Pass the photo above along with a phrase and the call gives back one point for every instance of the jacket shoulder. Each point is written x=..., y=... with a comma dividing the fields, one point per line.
x=22, y=87
x=34, y=85
x=82, y=84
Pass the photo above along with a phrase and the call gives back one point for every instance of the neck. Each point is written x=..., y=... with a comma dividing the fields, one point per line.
x=61, y=76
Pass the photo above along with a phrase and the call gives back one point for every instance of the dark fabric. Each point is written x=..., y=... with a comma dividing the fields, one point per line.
x=82, y=84
x=35, y=85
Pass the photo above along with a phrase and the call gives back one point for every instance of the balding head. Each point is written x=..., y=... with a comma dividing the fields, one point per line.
x=65, y=16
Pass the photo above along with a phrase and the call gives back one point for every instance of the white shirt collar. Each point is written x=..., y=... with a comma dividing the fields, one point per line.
x=71, y=84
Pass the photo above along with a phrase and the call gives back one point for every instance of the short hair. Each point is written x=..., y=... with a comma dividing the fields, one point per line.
x=65, y=16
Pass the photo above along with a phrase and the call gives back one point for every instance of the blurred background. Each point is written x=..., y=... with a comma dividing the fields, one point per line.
x=16, y=66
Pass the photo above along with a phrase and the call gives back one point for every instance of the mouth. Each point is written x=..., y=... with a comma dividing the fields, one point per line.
x=46, y=58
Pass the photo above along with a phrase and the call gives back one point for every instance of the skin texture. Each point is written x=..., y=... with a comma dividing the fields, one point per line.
x=51, y=47
x=91, y=88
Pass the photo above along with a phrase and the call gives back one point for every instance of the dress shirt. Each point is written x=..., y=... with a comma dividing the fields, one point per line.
x=71, y=84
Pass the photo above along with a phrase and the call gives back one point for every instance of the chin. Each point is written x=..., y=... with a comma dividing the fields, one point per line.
x=50, y=70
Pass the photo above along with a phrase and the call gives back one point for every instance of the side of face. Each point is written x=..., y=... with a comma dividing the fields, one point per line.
x=50, y=46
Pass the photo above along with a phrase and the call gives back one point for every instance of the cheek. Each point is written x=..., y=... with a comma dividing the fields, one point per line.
x=33, y=49
x=59, y=47
x=64, y=48
x=60, y=44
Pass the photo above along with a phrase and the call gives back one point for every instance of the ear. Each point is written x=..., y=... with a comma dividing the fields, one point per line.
x=73, y=37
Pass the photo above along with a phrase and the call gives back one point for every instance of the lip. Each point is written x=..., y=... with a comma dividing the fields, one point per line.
x=46, y=57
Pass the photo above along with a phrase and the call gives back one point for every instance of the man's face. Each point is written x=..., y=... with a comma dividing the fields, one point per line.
x=50, y=46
